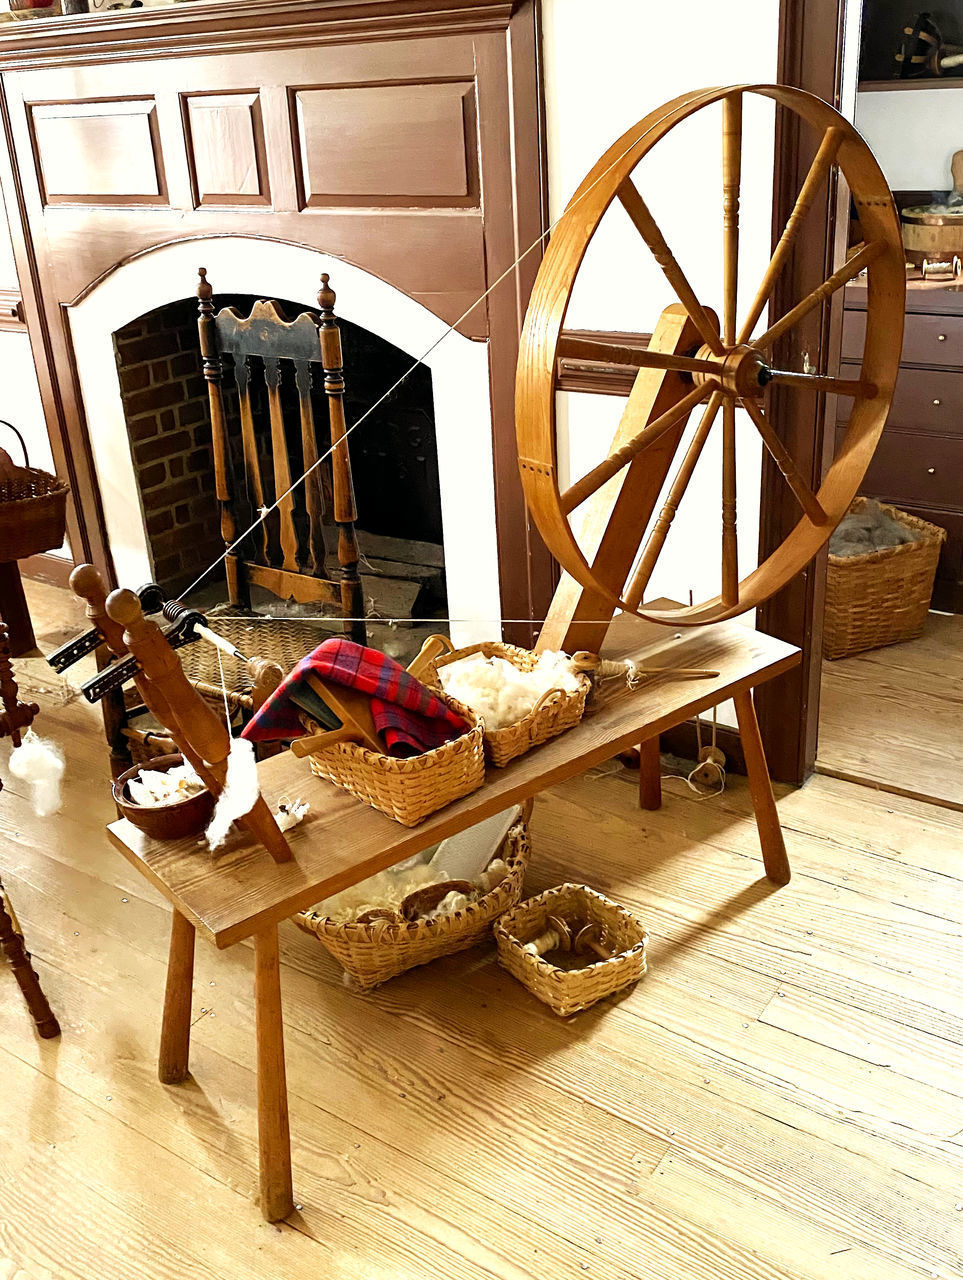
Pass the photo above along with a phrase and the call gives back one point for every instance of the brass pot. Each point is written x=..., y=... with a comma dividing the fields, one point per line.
x=936, y=230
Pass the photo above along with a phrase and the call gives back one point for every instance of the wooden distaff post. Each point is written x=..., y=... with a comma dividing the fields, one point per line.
x=195, y=726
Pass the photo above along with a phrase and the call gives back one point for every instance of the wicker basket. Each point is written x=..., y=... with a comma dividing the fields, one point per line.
x=555, y=711
x=33, y=510
x=569, y=991
x=373, y=953
x=884, y=596
x=408, y=790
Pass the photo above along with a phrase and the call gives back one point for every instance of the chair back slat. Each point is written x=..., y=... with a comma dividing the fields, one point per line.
x=252, y=464
x=313, y=499
x=282, y=465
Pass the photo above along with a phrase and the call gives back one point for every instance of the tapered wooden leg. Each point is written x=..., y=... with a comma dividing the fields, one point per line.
x=274, y=1140
x=19, y=958
x=760, y=788
x=650, y=774
x=172, y=1065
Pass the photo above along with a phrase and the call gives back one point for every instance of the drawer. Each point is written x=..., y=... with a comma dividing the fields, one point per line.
x=921, y=469
x=934, y=340
x=924, y=400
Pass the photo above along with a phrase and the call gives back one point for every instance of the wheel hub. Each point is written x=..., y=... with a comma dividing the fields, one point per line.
x=742, y=371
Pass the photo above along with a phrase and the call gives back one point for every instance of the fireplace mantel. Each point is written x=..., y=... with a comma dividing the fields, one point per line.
x=121, y=34
x=401, y=137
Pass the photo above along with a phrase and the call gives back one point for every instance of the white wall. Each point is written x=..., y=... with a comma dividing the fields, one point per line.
x=606, y=65
x=913, y=133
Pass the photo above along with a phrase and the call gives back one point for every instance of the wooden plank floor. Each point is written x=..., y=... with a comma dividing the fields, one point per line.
x=780, y=1098
x=893, y=717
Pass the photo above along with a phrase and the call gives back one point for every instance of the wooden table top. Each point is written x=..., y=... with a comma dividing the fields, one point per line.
x=241, y=890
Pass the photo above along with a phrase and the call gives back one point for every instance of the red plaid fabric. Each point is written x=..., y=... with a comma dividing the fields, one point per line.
x=410, y=718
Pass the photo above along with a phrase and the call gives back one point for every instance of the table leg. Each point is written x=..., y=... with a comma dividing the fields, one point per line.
x=172, y=1065
x=760, y=788
x=14, y=611
x=650, y=774
x=274, y=1140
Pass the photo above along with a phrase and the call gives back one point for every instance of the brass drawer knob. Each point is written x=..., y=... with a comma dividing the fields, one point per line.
x=937, y=403
x=931, y=471
x=941, y=337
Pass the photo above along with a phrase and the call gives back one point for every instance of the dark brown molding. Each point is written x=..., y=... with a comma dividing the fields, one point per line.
x=595, y=376
x=810, y=58
x=119, y=35
x=11, y=310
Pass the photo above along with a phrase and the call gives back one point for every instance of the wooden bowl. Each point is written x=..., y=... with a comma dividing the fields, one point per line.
x=166, y=821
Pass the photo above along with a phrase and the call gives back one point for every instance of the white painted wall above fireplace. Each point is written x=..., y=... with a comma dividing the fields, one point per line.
x=269, y=268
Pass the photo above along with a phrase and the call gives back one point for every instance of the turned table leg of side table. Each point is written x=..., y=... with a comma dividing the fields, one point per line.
x=274, y=1141
x=774, y=856
x=650, y=774
x=172, y=1065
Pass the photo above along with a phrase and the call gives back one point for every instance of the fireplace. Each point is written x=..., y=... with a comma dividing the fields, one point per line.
x=423, y=462
x=394, y=455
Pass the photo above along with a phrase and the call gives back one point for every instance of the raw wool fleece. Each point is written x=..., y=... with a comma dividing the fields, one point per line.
x=867, y=530
x=40, y=763
x=501, y=694
x=241, y=790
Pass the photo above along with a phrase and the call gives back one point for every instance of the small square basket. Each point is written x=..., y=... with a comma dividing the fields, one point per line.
x=373, y=953
x=569, y=991
x=556, y=710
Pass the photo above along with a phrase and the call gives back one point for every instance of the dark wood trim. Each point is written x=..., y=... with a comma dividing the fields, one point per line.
x=122, y=34
x=55, y=570
x=11, y=310
x=810, y=58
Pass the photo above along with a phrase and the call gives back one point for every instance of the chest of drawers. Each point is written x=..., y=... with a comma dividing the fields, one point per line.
x=918, y=465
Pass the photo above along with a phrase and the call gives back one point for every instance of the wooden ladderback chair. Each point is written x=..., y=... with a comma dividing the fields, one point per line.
x=288, y=563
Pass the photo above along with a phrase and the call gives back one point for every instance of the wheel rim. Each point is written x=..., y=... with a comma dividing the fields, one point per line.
x=543, y=341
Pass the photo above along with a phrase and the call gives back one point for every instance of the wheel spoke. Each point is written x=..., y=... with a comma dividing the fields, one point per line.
x=574, y=348
x=783, y=460
x=660, y=530
x=846, y=272
x=825, y=157
x=730, y=543
x=731, y=179
x=817, y=382
x=648, y=229
x=593, y=480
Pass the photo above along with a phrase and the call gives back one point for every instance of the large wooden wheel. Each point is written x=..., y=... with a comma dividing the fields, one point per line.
x=693, y=362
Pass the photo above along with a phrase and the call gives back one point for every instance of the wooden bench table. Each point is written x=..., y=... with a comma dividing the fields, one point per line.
x=241, y=892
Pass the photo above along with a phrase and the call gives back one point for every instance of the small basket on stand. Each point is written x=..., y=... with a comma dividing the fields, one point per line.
x=570, y=990
x=554, y=712
x=373, y=953
x=33, y=509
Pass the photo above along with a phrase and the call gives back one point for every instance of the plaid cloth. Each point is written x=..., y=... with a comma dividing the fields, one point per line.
x=409, y=717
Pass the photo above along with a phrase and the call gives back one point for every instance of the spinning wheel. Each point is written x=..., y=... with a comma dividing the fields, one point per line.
x=692, y=362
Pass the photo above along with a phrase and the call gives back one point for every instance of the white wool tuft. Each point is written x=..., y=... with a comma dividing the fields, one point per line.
x=39, y=763
x=500, y=693
x=241, y=790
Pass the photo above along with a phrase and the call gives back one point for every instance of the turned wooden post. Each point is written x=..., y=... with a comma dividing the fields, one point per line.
x=222, y=481
x=345, y=509
x=273, y=1135
x=172, y=1062
x=194, y=724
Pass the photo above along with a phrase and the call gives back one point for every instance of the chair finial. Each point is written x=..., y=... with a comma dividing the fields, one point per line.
x=205, y=291
x=326, y=295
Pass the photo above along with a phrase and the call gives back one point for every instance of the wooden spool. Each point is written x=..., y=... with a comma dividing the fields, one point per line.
x=694, y=362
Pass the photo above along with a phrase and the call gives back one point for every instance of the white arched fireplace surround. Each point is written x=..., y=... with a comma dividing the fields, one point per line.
x=272, y=269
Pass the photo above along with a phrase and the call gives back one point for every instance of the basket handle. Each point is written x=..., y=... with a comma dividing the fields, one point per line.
x=433, y=648
x=544, y=699
x=23, y=445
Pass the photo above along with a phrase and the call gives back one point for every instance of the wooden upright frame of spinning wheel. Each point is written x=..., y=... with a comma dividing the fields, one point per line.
x=694, y=361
